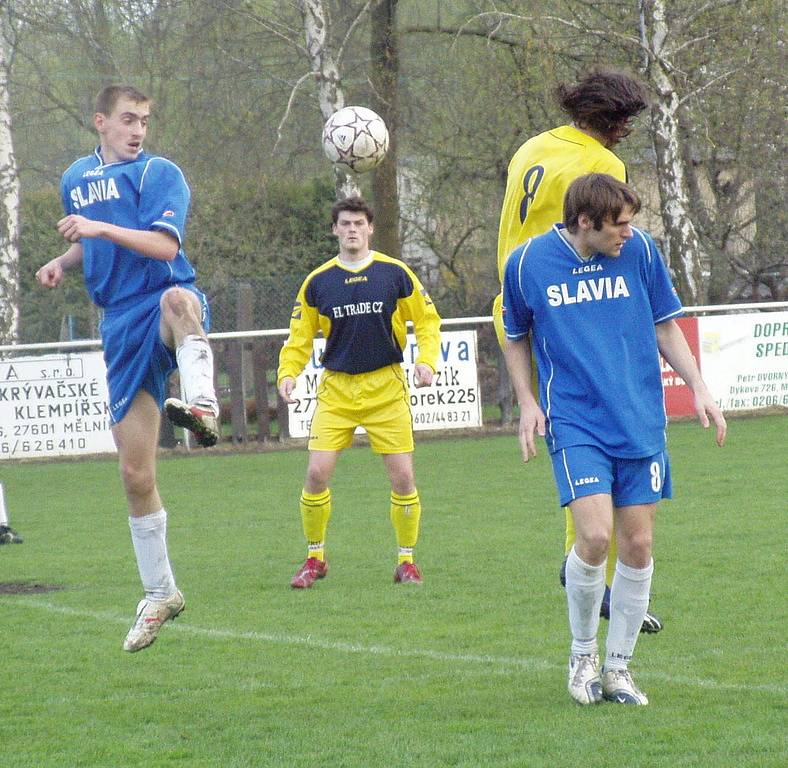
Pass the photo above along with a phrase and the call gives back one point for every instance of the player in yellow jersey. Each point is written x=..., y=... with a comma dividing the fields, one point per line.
x=600, y=107
x=360, y=300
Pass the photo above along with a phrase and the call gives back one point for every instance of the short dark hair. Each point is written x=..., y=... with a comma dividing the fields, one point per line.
x=108, y=97
x=599, y=196
x=353, y=204
x=603, y=99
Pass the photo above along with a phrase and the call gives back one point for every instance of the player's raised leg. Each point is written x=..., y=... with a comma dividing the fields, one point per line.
x=181, y=329
x=136, y=437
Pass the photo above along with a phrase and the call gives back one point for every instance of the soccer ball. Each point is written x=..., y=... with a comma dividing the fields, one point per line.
x=355, y=138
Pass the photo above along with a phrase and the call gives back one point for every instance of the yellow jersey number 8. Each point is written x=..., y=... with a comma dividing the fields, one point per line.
x=531, y=181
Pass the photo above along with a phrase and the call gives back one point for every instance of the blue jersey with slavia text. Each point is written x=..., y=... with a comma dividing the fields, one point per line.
x=593, y=332
x=149, y=193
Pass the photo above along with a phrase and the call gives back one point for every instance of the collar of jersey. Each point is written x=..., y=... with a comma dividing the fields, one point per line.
x=359, y=266
x=102, y=164
x=571, y=133
x=559, y=230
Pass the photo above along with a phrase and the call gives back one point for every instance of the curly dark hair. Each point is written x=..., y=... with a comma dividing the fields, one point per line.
x=352, y=204
x=603, y=100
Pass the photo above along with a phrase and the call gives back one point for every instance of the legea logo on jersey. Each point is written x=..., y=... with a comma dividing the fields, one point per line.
x=169, y=214
x=586, y=480
x=93, y=172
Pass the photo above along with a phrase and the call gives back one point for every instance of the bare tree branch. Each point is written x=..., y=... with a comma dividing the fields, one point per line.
x=348, y=35
x=289, y=107
x=606, y=34
x=692, y=94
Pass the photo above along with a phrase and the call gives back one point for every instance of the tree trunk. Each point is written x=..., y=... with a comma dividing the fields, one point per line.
x=384, y=77
x=9, y=206
x=331, y=95
x=683, y=250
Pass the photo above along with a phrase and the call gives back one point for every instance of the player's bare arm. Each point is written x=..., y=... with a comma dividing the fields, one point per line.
x=676, y=351
x=51, y=274
x=532, y=420
x=151, y=243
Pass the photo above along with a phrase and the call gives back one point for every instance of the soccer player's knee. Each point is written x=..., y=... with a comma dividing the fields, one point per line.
x=317, y=478
x=638, y=546
x=596, y=542
x=138, y=479
x=178, y=303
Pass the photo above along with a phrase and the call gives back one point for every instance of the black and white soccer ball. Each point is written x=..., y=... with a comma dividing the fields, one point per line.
x=355, y=138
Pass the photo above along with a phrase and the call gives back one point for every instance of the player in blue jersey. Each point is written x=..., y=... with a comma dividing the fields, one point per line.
x=595, y=300
x=360, y=300
x=125, y=218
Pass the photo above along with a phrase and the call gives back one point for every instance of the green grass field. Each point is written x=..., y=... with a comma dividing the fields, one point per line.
x=468, y=670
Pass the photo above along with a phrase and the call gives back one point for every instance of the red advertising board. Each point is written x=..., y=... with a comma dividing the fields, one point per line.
x=678, y=396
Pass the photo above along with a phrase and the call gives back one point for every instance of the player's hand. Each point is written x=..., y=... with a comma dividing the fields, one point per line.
x=706, y=406
x=286, y=387
x=75, y=227
x=422, y=375
x=532, y=423
x=51, y=274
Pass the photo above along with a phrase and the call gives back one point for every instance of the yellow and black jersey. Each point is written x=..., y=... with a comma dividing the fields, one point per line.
x=539, y=174
x=362, y=314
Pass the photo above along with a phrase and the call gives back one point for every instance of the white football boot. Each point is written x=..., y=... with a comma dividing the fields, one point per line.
x=618, y=686
x=151, y=614
x=584, y=685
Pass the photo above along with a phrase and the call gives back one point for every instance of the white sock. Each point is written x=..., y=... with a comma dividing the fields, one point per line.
x=629, y=596
x=195, y=365
x=585, y=588
x=149, y=536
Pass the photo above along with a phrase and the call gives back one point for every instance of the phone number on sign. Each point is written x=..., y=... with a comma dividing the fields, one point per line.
x=18, y=447
x=443, y=417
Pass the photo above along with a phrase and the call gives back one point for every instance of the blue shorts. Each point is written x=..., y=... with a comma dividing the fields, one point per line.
x=135, y=356
x=583, y=470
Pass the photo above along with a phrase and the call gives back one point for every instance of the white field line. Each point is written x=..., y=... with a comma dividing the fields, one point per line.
x=339, y=646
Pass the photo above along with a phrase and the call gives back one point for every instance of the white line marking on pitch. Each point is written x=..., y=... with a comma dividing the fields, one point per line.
x=310, y=641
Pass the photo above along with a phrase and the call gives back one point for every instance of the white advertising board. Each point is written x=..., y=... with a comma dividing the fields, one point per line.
x=744, y=359
x=54, y=405
x=453, y=401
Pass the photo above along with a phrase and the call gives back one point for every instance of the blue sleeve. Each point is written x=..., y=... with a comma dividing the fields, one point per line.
x=164, y=198
x=517, y=315
x=665, y=303
x=64, y=195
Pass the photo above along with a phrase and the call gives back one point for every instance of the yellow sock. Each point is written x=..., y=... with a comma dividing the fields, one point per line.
x=405, y=516
x=315, y=512
x=569, y=540
x=612, y=554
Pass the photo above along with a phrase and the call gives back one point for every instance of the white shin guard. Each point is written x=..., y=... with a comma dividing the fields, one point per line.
x=195, y=365
x=149, y=536
x=629, y=596
x=585, y=588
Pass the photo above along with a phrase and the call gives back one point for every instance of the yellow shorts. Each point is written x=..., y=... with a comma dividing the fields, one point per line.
x=379, y=401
